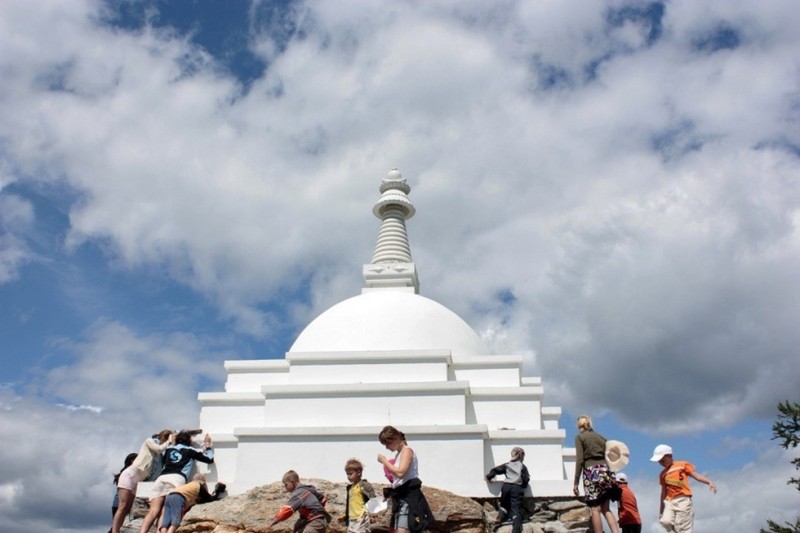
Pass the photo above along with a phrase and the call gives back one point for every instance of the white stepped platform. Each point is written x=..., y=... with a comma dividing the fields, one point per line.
x=313, y=411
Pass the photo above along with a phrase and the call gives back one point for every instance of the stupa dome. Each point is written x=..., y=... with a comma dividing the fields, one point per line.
x=390, y=314
x=386, y=356
x=389, y=320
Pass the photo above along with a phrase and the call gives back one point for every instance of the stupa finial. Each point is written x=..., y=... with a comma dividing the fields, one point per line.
x=391, y=264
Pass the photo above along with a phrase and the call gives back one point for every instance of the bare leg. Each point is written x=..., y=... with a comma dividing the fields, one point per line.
x=597, y=520
x=612, y=521
x=126, y=498
x=156, y=504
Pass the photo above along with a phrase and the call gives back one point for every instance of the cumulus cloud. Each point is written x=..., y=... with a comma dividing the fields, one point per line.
x=16, y=220
x=690, y=284
x=627, y=210
x=114, y=365
x=608, y=188
x=66, y=456
x=69, y=429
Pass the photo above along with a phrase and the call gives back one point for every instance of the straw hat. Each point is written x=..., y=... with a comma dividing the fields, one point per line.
x=617, y=455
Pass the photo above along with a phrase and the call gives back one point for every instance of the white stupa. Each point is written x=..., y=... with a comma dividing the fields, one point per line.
x=386, y=356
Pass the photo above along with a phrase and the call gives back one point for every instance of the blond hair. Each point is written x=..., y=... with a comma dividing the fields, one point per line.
x=584, y=422
x=354, y=464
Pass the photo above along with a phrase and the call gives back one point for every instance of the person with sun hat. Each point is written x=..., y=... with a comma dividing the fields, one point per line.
x=598, y=479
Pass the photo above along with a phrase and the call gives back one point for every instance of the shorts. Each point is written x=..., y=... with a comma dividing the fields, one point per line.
x=165, y=484
x=173, y=511
x=401, y=516
x=359, y=525
x=129, y=479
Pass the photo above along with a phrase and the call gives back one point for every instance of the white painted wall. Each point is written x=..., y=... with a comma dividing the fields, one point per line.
x=507, y=414
x=222, y=419
x=488, y=371
x=453, y=458
x=250, y=376
x=313, y=411
x=366, y=372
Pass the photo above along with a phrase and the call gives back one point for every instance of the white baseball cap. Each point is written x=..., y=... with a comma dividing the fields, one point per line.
x=660, y=451
x=621, y=477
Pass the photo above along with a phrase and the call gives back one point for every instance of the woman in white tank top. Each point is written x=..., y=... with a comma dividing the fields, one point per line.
x=403, y=468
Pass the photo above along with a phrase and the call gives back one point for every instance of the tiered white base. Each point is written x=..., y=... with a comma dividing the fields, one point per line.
x=313, y=411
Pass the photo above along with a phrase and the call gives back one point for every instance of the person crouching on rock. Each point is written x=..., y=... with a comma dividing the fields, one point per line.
x=180, y=500
x=307, y=501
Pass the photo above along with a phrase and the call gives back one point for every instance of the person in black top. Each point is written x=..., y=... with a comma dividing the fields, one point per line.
x=179, y=460
x=513, y=489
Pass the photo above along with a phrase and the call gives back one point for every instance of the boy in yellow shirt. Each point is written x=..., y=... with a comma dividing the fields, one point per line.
x=359, y=491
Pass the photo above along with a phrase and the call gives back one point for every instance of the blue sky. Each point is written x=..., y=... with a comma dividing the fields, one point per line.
x=609, y=189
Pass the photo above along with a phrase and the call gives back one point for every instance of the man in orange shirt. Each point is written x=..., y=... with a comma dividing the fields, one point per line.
x=629, y=520
x=676, y=512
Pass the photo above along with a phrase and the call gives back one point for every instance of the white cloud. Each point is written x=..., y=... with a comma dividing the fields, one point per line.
x=614, y=207
x=16, y=220
x=66, y=456
x=113, y=366
x=70, y=431
x=688, y=286
x=625, y=213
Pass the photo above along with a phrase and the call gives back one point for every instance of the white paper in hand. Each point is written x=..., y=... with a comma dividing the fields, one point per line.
x=376, y=505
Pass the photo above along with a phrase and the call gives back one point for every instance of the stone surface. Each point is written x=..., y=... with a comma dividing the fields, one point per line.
x=251, y=511
x=544, y=516
x=554, y=527
x=565, y=505
x=576, y=515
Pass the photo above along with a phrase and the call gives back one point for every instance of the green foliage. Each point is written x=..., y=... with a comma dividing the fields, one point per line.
x=787, y=430
x=774, y=527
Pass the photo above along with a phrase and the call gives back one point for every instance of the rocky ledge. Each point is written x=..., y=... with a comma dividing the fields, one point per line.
x=251, y=511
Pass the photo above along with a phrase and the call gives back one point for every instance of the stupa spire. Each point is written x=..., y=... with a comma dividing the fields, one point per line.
x=391, y=265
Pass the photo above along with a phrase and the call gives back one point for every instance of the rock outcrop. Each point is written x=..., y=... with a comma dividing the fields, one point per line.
x=251, y=511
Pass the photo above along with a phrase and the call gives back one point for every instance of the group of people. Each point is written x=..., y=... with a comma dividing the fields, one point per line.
x=410, y=510
x=167, y=458
x=601, y=485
